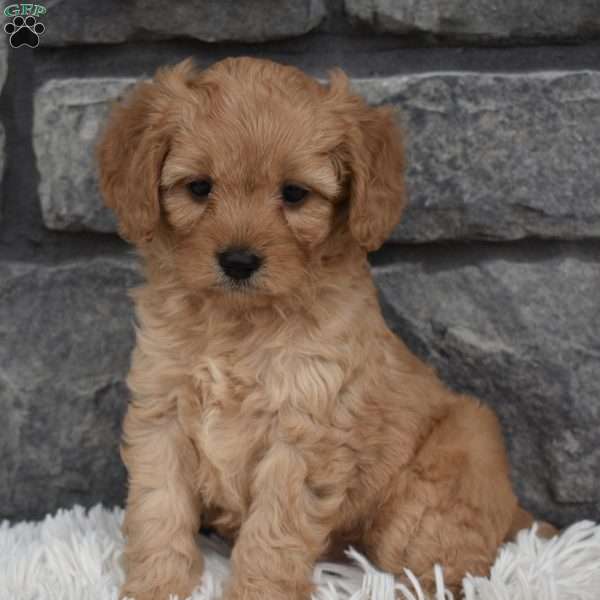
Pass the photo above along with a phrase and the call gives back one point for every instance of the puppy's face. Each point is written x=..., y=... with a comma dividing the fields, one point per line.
x=247, y=171
x=249, y=186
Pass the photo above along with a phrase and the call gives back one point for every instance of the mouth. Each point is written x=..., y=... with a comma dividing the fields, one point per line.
x=239, y=286
x=240, y=294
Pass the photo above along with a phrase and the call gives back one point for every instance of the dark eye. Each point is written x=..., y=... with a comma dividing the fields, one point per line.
x=293, y=194
x=200, y=188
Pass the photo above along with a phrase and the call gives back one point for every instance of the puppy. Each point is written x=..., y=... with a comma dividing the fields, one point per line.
x=269, y=399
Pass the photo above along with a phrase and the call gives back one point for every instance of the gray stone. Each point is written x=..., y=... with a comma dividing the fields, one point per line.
x=575, y=463
x=517, y=329
x=240, y=20
x=65, y=338
x=491, y=156
x=496, y=156
x=68, y=116
x=87, y=22
x=3, y=59
x=2, y=160
x=521, y=333
x=484, y=20
x=3, y=69
x=109, y=22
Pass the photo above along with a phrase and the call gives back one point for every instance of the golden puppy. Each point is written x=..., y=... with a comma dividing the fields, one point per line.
x=269, y=399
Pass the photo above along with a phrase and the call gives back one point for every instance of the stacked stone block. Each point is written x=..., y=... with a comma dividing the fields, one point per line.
x=493, y=275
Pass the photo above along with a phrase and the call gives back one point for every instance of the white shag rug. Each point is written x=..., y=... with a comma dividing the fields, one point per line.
x=74, y=555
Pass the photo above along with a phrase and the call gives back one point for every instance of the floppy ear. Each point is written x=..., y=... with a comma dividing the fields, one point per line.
x=374, y=153
x=133, y=148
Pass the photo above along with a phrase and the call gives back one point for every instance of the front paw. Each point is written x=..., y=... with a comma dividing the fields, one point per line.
x=266, y=591
x=160, y=576
x=162, y=592
x=146, y=584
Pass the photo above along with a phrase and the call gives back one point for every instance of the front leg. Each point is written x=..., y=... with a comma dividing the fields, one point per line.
x=286, y=531
x=162, y=516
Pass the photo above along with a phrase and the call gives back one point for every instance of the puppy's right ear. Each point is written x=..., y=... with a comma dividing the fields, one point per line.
x=133, y=148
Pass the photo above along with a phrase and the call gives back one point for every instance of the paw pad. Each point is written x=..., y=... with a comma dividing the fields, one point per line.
x=24, y=32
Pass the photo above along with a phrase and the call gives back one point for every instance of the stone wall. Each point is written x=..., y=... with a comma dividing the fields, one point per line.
x=493, y=276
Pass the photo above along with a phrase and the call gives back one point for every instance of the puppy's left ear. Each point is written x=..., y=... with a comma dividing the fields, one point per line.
x=133, y=147
x=374, y=153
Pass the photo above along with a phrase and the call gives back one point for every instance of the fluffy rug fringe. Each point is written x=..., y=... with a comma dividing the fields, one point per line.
x=75, y=555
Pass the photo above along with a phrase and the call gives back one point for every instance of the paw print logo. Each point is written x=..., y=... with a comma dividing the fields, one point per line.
x=24, y=32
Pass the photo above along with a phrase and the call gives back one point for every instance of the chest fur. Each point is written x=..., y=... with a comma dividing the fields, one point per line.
x=240, y=386
x=240, y=402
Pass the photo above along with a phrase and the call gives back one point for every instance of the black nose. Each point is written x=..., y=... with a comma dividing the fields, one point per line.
x=239, y=263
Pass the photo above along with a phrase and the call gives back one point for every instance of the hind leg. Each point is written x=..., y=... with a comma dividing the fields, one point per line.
x=524, y=520
x=453, y=506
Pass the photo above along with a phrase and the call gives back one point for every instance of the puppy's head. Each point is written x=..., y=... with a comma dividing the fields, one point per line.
x=248, y=173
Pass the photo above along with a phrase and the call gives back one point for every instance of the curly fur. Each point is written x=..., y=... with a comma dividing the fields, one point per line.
x=284, y=412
